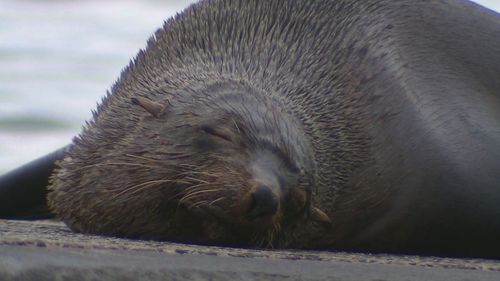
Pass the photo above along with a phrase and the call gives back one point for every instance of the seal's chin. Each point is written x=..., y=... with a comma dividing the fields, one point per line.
x=258, y=219
x=225, y=228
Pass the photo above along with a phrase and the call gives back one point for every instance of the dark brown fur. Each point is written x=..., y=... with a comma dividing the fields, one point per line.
x=330, y=98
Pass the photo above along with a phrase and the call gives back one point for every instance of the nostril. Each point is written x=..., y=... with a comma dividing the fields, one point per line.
x=264, y=203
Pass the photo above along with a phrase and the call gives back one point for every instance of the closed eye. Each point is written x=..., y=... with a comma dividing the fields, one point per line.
x=284, y=156
x=217, y=133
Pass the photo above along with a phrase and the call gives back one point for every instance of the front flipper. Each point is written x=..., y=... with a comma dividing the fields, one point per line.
x=23, y=190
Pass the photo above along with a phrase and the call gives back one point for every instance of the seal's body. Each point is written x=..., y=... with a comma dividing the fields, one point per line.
x=365, y=125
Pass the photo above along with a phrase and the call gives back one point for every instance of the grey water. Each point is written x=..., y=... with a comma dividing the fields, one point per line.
x=58, y=58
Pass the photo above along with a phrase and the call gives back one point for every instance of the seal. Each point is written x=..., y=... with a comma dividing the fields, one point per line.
x=352, y=125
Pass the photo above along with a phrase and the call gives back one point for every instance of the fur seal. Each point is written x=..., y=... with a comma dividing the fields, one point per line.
x=354, y=125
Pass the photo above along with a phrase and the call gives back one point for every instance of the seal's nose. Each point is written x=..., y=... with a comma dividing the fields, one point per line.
x=264, y=203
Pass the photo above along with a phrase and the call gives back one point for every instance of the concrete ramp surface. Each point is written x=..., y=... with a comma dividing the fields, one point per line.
x=48, y=250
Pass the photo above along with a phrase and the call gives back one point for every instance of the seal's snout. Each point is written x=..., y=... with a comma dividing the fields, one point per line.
x=264, y=203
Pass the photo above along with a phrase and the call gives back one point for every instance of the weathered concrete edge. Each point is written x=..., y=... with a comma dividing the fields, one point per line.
x=50, y=263
x=56, y=234
x=48, y=250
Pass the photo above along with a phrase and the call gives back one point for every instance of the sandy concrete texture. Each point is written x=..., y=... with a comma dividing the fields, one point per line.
x=48, y=250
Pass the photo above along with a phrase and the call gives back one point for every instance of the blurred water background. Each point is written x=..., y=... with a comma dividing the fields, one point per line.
x=58, y=58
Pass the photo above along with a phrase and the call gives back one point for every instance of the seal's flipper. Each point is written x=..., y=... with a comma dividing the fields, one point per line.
x=23, y=190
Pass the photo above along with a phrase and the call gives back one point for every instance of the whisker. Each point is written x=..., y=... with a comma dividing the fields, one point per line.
x=216, y=200
x=131, y=188
x=196, y=186
x=236, y=125
x=142, y=157
x=262, y=241
x=199, y=173
x=270, y=238
x=115, y=163
x=145, y=184
x=199, y=204
x=258, y=240
x=195, y=179
x=190, y=195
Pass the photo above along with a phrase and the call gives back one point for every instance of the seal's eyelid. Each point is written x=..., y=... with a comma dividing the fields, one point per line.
x=284, y=156
x=154, y=108
x=216, y=133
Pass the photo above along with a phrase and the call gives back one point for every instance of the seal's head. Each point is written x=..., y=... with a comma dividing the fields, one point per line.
x=222, y=164
x=234, y=162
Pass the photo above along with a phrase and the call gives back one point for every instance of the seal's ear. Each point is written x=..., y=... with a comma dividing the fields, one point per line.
x=150, y=106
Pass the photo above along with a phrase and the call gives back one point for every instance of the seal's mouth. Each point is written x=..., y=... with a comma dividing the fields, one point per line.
x=259, y=209
x=254, y=218
x=231, y=200
x=217, y=228
x=220, y=229
x=260, y=218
